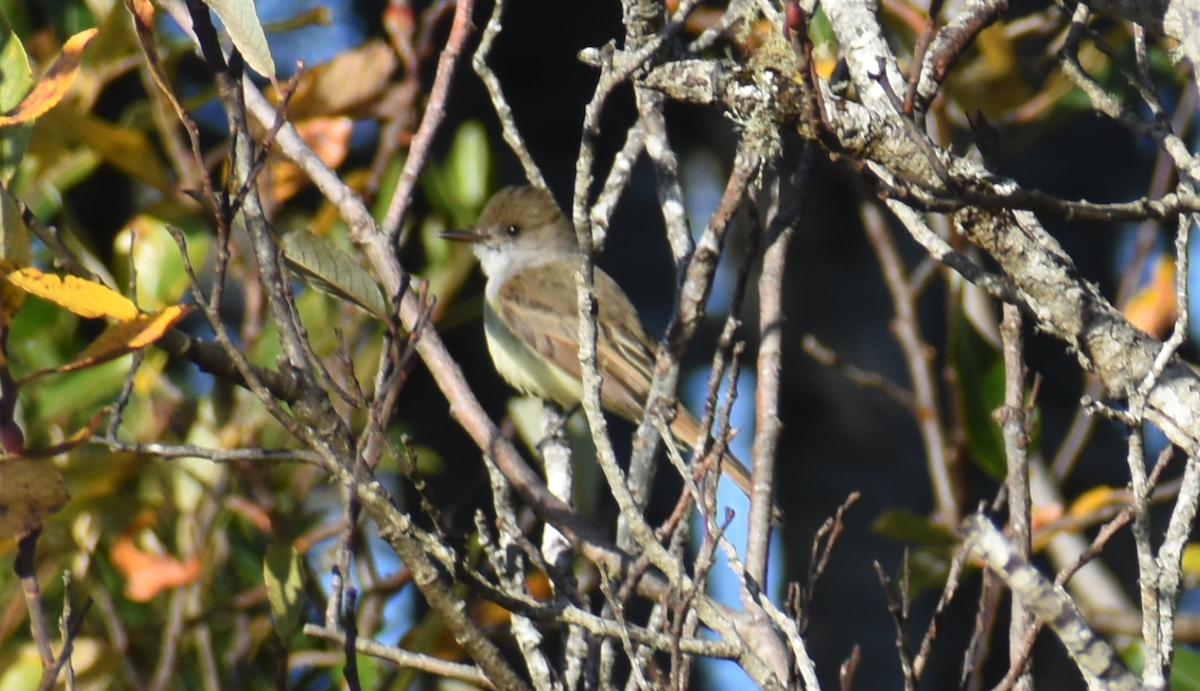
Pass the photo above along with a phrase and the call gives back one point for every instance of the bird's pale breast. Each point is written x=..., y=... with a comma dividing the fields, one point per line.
x=526, y=370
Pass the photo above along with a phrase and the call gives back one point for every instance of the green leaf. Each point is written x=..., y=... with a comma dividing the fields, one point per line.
x=468, y=164
x=929, y=560
x=906, y=526
x=1185, y=670
x=16, y=80
x=332, y=271
x=458, y=187
x=246, y=32
x=928, y=568
x=283, y=573
x=980, y=372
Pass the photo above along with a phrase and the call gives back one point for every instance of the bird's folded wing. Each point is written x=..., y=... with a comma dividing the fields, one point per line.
x=537, y=317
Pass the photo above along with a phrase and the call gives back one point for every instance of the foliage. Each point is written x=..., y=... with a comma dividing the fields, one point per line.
x=228, y=461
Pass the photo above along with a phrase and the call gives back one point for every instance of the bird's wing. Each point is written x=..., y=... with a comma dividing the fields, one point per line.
x=624, y=352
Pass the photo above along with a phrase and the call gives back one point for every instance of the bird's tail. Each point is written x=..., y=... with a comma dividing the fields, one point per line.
x=686, y=429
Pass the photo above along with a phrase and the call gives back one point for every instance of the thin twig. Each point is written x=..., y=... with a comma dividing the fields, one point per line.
x=907, y=331
x=435, y=111
x=508, y=125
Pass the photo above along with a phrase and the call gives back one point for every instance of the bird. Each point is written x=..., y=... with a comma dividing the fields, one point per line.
x=528, y=251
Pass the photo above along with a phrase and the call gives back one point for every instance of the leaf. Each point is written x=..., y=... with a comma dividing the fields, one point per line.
x=53, y=85
x=14, y=249
x=246, y=32
x=1185, y=665
x=989, y=78
x=343, y=85
x=143, y=23
x=975, y=356
x=125, y=149
x=1044, y=515
x=468, y=165
x=149, y=574
x=80, y=436
x=1153, y=307
x=146, y=242
x=332, y=271
x=1185, y=669
x=30, y=490
x=127, y=336
x=23, y=672
x=906, y=526
x=1191, y=564
x=928, y=568
x=17, y=81
x=283, y=572
x=457, y=188
x=980, y=371
x=85, y=298
x=1096, y=499
x=329, y=138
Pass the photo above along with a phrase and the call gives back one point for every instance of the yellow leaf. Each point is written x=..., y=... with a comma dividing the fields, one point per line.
x=85, y=298
x=125, y=149
x=1191, y=564
x=127, y=336
x=53, y=85
x=1095, y=499
x=987, y=79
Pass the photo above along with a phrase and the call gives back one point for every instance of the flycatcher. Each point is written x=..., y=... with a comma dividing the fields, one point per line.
x=528, y=251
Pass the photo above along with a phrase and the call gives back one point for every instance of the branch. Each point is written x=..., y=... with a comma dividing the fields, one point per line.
x=1051, y=605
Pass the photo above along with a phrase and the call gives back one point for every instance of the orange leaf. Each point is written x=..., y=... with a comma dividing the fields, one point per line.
x=1152, y=309
x=53, y=85
x=149, y=574
x=329, y=138
x=127, y=336
x=85, y=298
x=1045, y=515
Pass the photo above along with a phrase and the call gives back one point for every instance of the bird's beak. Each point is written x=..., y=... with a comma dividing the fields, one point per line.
x=467, y=235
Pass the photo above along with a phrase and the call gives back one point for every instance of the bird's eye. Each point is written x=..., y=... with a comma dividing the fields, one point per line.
x=512, y=230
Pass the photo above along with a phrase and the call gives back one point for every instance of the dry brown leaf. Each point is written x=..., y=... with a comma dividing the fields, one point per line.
x=30, y=490
x=351, y=80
